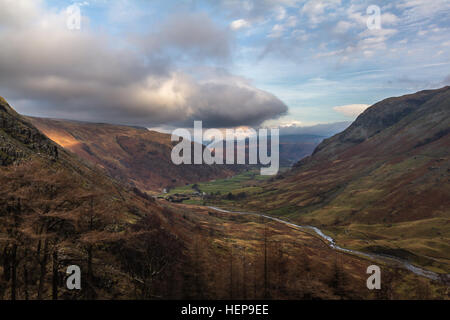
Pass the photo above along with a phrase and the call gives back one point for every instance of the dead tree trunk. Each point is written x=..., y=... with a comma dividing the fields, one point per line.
x=6, y=265
x=244, y=278
x=25, y=281
x=231, y=272
x=13, y=272
x=43, y=270
x=266, y=278
x=90, y=273
x=55, y=275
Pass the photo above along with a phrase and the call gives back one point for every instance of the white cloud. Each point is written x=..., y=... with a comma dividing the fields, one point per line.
x=277, y=31
x=283, y=122
x=351, y=110
x=300, y=35
x=239, y=24
x=291, y=21
x=343, y=27
x=420, y=11
x=389, y=19
x=122, y=11
x=281, y=13
x=315, y=9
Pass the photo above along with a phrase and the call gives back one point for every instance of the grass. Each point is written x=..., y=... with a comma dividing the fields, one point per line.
x=244, y=182
x=424, y=241
x=299, y=264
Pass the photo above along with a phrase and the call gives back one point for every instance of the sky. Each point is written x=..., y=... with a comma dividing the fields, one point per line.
x=228, y=63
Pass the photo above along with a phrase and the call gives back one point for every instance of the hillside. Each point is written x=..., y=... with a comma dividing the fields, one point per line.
x=295, y=147
x=19, y=140
x=56, y=211
x=135, y=156
x=381, y=185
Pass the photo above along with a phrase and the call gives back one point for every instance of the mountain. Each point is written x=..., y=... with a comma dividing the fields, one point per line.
x=298, y=142
x=19, y=140
x=56, y=211
x=381, y=185
x=133, y=155
x=297, y=146
x=322, y=130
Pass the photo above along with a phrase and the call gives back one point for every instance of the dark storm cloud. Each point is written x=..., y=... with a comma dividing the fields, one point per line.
x=48, y=70
x=235, y=104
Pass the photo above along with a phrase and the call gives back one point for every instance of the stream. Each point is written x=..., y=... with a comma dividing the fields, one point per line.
x=331, y=242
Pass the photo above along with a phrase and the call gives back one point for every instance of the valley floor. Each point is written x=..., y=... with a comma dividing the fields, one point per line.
x=231, y=194
x=250, y=257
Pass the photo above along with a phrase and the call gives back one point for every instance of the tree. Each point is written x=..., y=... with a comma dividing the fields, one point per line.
x=266, y=272
x=338, y=279
x=148, y=253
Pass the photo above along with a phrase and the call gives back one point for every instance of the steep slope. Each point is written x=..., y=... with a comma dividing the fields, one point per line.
x=132, y=155
x=27, y=139
x=295, y=147
x=380, y=185
x=57, y=211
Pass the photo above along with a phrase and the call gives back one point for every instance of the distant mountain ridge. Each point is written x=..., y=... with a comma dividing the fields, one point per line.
x=323, y=130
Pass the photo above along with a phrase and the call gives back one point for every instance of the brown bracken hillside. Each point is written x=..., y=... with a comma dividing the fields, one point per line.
x=56, y=211
x=132, y=155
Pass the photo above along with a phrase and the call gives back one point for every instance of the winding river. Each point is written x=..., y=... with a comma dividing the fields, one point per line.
x=330, y=241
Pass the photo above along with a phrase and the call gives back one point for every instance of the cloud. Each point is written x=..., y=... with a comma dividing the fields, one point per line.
x=277, y=31
x=195, y=34
x=423, y=11
x=17, y=13
x=315, y=9
x=291, y=21
x=172, y=75
x=281, y=13
x=255, y=9
x=343, y=26
x=122, y=11
x=235, y=103
x=446, y=81
x=389, y=19
x=239, y=24
x=324, y=130
x=351, y=110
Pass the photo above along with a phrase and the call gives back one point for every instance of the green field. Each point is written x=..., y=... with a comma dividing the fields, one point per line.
x=240, y=182
x=247, y=182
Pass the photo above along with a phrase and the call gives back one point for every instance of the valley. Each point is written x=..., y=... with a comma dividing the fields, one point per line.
x=90, y=203
x=381, y=186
